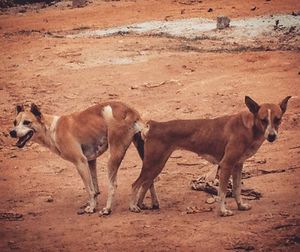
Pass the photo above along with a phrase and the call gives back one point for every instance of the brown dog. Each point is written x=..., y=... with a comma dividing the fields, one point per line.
x=227, y=141
x=83, y=136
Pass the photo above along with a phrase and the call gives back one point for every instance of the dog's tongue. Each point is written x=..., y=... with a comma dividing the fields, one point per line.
x=22, y=140
x=20, y=143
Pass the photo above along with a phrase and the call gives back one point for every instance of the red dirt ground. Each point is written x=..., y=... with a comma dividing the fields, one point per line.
x=64, y=75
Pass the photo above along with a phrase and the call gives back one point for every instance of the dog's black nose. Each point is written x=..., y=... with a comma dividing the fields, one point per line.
x=13, y=133
x=271, y=138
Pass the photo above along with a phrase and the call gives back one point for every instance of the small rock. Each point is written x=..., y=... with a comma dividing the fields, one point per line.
x=23, y=10
x=79, y=3
x=284, y=214
x=12, y=245
x=210, y=200
x=210, y=10
x=134, y=87
x=276, y=26
x=292, y=29
x=49, y=199
x=263, y=161
x=223, y=22
x=253, y=8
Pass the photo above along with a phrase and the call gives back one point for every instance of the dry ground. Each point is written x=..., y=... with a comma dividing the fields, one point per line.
x=64, y=75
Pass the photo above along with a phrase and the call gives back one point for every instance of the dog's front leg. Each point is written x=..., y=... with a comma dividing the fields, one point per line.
x=237, y=176
x=84, y=172
x=224, y=178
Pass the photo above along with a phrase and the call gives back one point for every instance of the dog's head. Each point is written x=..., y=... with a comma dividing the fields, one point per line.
x=267, y=117
x=27, y=124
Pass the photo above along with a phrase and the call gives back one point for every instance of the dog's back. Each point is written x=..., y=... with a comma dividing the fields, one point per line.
x=202, y=136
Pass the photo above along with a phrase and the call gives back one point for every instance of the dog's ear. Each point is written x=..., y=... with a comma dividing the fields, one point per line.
x=283, y=104
x=252, y=105
x=36, y=111
x=19, y=108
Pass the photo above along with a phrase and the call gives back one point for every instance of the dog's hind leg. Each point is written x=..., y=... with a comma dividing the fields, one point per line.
x=142, y=193
x=93, y=170
x=236, y=175
x=154, y=198
x=119, y=140
x=139, y=144
x=115, y=159
x=154, y=162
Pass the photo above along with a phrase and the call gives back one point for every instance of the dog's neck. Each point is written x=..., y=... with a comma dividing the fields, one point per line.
x=249, y=122
x=47, y=137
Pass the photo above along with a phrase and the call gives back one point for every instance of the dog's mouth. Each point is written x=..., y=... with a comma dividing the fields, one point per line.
x=24, y=139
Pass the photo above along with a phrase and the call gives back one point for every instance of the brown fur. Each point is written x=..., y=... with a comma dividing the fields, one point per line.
x=227, y=141
x=83, y=136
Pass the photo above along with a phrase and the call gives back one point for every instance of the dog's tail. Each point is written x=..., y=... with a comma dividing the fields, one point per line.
x=126, y=115
x=134, y=121
x=139, y=144
x=140, y=136
x=107, y=113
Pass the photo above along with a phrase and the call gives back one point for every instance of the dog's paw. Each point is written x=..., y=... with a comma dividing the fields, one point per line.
x=105, y=211
x=134, y=208
x=144, y=207
x=84, y=206
x=89, y=210
x=244, y=206
x=226, y=213
x=86, y=210
x=155, y=207
x=80, y=211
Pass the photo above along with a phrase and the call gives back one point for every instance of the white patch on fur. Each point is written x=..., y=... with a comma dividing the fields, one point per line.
x=21, y=130
x=52, y=129
x=107, y=112
x=145, y=131
x=270, y=130
x=138, y=126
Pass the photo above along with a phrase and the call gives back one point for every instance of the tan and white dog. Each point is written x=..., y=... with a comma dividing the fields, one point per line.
x=83, y=136
x=227, y=141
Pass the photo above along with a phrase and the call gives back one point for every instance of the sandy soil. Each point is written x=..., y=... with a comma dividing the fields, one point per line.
x=164, y=78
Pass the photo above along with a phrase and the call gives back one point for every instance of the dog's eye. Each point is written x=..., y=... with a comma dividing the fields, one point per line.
x=15, y=122
x=277, y=120
x=264, y=121
x=26, y=122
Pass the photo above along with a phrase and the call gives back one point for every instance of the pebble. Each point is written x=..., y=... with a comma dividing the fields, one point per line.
x=210, y=200
x=49, y=199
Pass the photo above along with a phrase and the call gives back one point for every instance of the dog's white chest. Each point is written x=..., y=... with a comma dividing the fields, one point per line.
x=52, y=131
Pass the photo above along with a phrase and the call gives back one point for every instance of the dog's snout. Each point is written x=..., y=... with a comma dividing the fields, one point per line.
x=13, y=133
x=271, y=137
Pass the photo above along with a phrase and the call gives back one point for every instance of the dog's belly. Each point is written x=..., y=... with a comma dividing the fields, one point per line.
x=95, y=149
